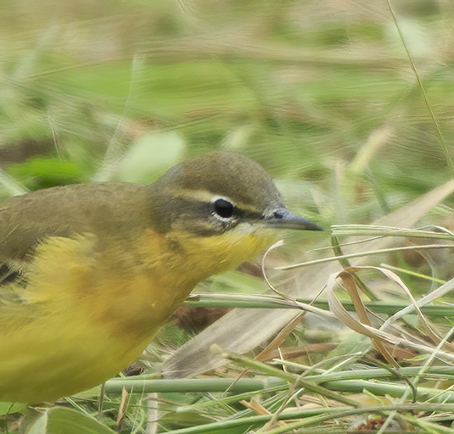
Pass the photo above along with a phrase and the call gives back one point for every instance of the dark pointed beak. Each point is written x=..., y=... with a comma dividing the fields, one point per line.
x=282, y=218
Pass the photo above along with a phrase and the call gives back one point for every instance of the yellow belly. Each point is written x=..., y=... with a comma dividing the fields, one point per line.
x=91, y=307
x=45, y=366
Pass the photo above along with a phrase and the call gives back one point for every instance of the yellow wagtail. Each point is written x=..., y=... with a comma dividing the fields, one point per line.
x=88, y=273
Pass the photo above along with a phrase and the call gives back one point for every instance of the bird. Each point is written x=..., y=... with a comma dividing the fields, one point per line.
x=90, y=272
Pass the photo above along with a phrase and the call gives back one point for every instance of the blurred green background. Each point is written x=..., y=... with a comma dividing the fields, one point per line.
x=349, y=104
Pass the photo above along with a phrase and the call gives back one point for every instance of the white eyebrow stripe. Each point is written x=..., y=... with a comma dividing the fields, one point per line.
x=200, y=195
x=208, y=197
x=216, y=197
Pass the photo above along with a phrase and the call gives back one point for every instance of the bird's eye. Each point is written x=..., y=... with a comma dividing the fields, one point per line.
x=223, y=208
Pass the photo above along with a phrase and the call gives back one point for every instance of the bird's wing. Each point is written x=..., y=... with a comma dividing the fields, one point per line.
x=105, y=209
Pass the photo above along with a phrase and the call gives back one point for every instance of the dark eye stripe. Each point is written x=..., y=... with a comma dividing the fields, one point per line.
x=197, y=212
x=225, y=209
x=246, y=215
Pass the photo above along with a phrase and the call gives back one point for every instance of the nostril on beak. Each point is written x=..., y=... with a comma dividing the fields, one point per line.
x=278, y=214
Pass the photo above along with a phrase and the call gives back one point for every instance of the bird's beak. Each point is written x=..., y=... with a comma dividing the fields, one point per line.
x=282, y=218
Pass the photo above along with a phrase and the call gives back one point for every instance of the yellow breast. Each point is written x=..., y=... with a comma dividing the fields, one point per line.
x=91, y=306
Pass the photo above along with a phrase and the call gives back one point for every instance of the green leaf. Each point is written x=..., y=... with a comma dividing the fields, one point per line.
x=59, y=420
x=11, y=407
x=150, y=156
x=38, y=173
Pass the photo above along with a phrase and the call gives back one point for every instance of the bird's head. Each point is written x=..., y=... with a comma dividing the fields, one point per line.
x=219, y=193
